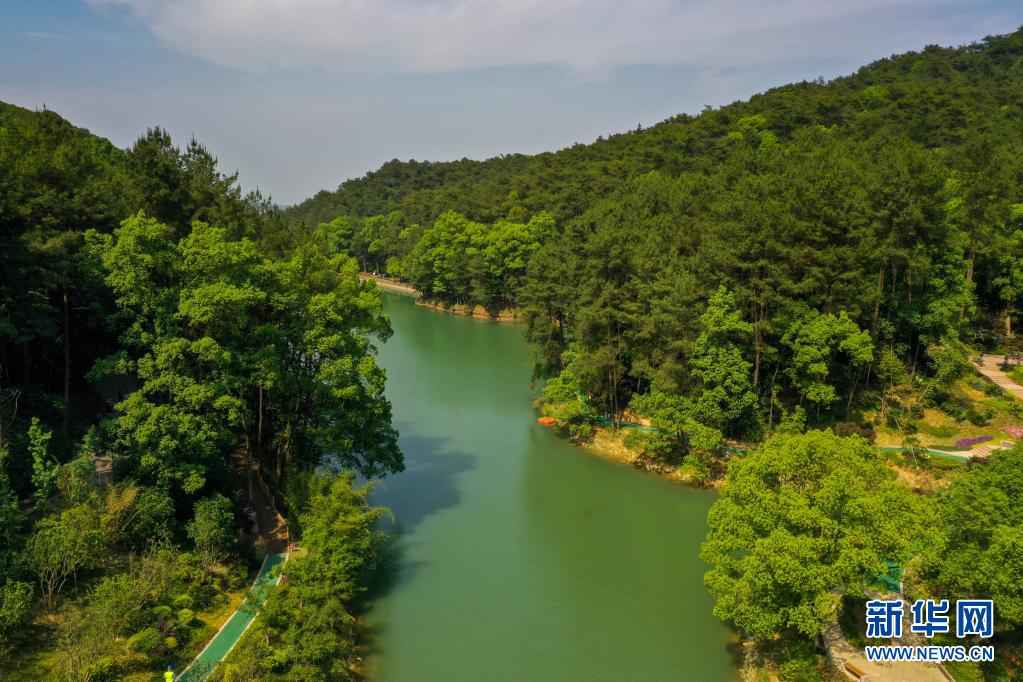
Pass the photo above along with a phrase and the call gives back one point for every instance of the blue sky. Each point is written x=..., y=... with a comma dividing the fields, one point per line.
x=298, y=95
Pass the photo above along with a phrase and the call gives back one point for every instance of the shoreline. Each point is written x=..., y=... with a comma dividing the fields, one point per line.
x=507, y=316
x=610, y=445
x=388, y=284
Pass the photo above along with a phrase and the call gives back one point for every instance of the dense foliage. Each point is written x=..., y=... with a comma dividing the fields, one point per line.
x=169, y=348
x=307, y=630
x=980, y=551
x=826, y=254
x=863, y=229
x=802, y=521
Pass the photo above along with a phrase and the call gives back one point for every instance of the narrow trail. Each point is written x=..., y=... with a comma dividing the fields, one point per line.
x=271, y=530
x=991, y=367
x=389, y=284
x=231, y=632
x=852, y=662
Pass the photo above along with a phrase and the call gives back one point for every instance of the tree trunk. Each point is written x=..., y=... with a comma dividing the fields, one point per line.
x=67, y=364
x=757, y=351
x=248, y=476
x=770, y=418
x=852, y=392
x=880, y=295
x=259, y=431
x=1008, y=322
x=969, y=280
x=26, y=371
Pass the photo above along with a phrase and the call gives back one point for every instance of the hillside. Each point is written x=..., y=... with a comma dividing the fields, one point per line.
x=936, y=97
x=827, y=251
x=823, y=260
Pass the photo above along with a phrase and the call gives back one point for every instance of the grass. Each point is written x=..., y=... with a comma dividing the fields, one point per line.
x=979, y=399
x=965, y=672
x=36, y=657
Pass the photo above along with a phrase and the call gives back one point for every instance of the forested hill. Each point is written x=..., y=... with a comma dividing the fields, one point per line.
x=937, y=97
x=814, y=251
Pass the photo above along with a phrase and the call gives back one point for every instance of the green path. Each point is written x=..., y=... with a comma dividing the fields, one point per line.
x=956, y=456
x=222, y=643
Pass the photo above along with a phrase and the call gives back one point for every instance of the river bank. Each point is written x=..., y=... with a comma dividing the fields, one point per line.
x=610, y=444
x=508, y=315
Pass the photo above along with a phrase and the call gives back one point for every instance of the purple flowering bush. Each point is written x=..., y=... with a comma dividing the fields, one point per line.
x=970, y=442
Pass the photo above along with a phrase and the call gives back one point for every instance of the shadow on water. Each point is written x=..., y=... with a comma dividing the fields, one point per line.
x=392, y=569
x=428, y=485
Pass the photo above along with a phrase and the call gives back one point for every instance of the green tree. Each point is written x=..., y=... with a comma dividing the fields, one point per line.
x=678, y=430
x=815, y=340
x=979, y=551
x=61, y=546
x=563, y=399
x=306, y=629
x=15, y=610
x=725, y=399
x=801, y=521
x=44, y=469
x=212, y=529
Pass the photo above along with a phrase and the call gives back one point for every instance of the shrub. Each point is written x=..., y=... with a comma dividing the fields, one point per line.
x=212, y=529
x=162, y=613
x=937, y=431
x=182, y=601
x=970, y=442
x=76, y=480
x=580, y=433
x=799, y=670
x=865, y=431
x=635, y=440
x=15, y=609
x=956, y=409
x=145, y=641
x=993, y=390
x=153, y=518
x=980, y=417
x=186, y=616
x=693, y=469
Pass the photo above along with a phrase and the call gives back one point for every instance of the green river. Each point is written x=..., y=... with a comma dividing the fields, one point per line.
x=519, y=557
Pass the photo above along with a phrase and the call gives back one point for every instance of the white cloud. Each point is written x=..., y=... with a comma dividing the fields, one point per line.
x=450, y=35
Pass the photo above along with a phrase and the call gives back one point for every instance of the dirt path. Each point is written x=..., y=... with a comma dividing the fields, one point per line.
x=991, y=367
x=270, y=527
x=390, y=284
x=855, y=666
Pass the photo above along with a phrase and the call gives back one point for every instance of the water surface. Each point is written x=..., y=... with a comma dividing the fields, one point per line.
x=519, y=557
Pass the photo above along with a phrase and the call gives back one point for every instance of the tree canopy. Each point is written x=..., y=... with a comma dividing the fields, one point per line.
x=801, y=521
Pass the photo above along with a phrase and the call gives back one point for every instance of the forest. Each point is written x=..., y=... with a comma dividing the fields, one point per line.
x=803, y=274
x=772, y=288
x=169, y=348
x=809, y=249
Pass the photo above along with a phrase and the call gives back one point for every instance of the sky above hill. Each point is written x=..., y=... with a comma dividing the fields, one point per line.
x=298, y=95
